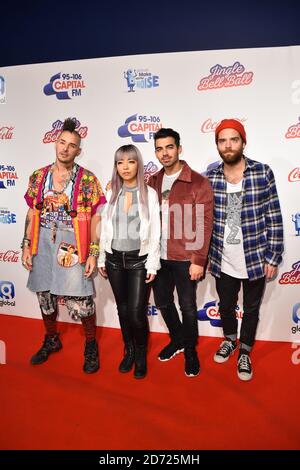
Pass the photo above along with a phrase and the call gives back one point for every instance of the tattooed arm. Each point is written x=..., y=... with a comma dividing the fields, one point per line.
x=26, y=256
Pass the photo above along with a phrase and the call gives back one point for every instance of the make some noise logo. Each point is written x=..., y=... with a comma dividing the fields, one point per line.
x=140, y=79
x=210, y=312
x=293, y=131
x=296, y=318
x=225, y=77
x=291, y=277
x=6, y=132
x=7, y=217
x=7, y=294
x=52, y=135
x=210, y=126
x=65, y=86
x=141, y=128
x=294, y=175
x=8, y=176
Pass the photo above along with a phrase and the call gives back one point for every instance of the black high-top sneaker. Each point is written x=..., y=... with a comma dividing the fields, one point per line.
x=91, y=357
x=51, y=344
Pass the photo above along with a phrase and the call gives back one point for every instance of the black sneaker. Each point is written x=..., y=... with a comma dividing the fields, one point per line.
x=170, y=351
x=51, y=344
x=91, y=357
x=192, y=364
x=244, y=369
x=225, y=350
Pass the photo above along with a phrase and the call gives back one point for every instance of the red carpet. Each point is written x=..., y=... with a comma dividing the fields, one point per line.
x=57, y=406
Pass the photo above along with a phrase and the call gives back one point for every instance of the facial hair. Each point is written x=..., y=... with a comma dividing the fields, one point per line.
x=234, y=157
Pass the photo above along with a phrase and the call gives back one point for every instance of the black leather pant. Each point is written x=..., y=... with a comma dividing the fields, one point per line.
x=126, y=273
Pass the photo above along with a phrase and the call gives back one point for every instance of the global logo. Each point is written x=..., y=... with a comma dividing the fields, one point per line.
x=210, y=126
x=293, y=131
x=7, y=217
x=2, y=90
x=225, y=77
x=8, y=176
x=6, y=132
x=210, y=312
x=65, y=86
x=7, y=293
x=141, y=79
x=141, y=128
x=52, y=135
x=291, y=277
x=296, y=318
x=296, y=220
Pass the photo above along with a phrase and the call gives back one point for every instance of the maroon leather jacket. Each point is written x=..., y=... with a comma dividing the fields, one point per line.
x=191, y=215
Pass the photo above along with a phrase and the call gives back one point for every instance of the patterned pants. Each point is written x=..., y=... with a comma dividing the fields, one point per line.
x=78, y=307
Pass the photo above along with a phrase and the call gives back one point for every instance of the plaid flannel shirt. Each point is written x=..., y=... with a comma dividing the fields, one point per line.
x=261, y=218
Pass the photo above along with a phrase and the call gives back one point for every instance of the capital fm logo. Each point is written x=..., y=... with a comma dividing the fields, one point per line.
x=2, y=90
x=296, y=318
x=52, y=135
x=8, y=176
x=294, y=175
x=210, y=312
x=226, y=77
x=140, y=128
x=65, y=86
x=6, y=132
x=296, y=221
x=210, y=126
x=292, y=276
x=140, y=79
x=7, y=217
x=293, y=131
x=7, y=293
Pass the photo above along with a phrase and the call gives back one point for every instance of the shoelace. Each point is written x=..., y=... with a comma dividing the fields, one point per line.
x=225, y=348
x=244, y=362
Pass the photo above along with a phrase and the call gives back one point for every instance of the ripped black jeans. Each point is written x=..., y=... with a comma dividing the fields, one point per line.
x=126, y=273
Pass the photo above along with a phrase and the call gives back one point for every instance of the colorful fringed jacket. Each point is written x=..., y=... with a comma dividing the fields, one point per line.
x=87, y=196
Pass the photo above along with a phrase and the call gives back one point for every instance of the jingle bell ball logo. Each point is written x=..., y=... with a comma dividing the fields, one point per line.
x=7, y=217
x=2, y=90
x=210, y=312
x=56, y=128
x=8, y=176
x=65, y=86
x=6, y=132
x=225, y=77
x=209, y=125
x=292, y=276
x=293, y=131
x=149, y=169
x=140, y=79
x=141, y=128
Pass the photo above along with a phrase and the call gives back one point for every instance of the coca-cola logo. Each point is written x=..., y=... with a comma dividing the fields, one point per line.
x=52, y=135
x=293, y=131
x=210, y=126
x=6, y=132
x=9, y=256
x=294, y=175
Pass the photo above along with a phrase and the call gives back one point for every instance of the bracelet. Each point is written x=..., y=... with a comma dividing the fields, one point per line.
x=94, y=249
x=25, y=243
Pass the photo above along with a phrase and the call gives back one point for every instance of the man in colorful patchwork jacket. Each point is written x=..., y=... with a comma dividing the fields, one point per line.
x=61, y=243
x=247, y=239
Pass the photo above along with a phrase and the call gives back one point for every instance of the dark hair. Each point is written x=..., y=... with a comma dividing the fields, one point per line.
x=167, y=132
x=69, y=125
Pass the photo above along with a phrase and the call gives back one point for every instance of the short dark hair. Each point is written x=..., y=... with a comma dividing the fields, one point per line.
x=70, y=126
x=167, y=132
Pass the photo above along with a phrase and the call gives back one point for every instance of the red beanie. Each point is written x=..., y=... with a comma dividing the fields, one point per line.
x=231, y=124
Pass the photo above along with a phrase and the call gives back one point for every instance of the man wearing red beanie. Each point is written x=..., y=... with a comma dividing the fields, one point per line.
x=247, y=239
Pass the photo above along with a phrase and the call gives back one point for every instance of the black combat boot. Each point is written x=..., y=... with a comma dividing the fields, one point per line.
x=91, y=357
x=51, y=344
x=140, y=369
x=128, y=359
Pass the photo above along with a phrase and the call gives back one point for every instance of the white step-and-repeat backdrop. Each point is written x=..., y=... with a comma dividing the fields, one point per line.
x=124, y=100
